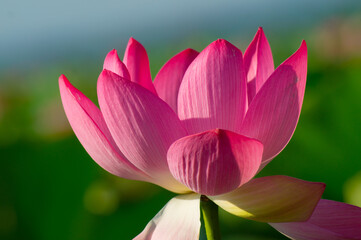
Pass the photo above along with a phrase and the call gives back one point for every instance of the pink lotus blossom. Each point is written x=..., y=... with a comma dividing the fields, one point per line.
x=206, y=126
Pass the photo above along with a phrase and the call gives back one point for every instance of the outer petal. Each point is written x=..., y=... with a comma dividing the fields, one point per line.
x=331, y=220
x=142, y=125
x=214, y=162
x=178, y=220
x=113, y=63
x=273, y=114
x=170, y=76
x=137, y=62
x=273, y=199
x=91, y=130
x=213, y=92
x=258, y=63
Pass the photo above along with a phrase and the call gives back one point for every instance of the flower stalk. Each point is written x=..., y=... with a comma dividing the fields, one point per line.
x=210, y=217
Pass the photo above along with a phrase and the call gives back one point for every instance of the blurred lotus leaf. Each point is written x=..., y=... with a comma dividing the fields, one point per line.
x=352, y=190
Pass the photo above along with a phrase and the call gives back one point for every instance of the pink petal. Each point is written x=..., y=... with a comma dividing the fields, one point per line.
x=213, y=93
x=331, y=220
x=89, y=126
x=214, y=162
x=113, y=63
x=273, y=114
x=142, y=125
x=137, y=62
x=178, y=220
x=170, y=76
x=258, y=63
x=273, y=199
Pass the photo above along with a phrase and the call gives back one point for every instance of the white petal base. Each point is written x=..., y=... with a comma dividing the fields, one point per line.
x=179, y=219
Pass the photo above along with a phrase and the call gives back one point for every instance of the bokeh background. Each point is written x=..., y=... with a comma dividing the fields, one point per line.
x=51, y=189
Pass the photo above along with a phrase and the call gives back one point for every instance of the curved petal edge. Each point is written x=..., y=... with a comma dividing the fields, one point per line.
x=137, y=62
x=258, y=63
x=170, y=76
x=90, y=128
x=273, y=114
x=113, y=63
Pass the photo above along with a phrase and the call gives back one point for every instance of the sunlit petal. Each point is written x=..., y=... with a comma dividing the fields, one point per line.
x=273, y=199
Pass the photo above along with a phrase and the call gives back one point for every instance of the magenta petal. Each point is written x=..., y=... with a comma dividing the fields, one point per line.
x=113, y=63
x=90, y=128
x=142, y=125
x=214, y=162
x=331, y=220
x=258, y=63
x=137, y=62
x=273, y=114
x=170, y=76
x=213, y=93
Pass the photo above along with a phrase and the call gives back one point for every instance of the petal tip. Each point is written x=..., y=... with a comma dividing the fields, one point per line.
x=110, y=57
x=105, y=72
x=304, y=45
x=133, y=41
x=105, y=75
x=221, y=41
x=113, y=53
x=300, y=54
x=302, y=50
x=217, y=131
x=64, y=82
x=222, y=45
x=190, y=51
x=62, y=78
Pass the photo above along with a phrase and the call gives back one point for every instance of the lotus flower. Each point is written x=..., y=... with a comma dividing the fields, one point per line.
x=206, y=126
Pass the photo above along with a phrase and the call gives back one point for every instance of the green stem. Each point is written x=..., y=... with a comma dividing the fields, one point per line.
x=210, y=218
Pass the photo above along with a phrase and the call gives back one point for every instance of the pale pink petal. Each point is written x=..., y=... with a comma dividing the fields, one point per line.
x=213, y=93
x=258, y=63
x=178, y=220
x=137, y=62
x=90, y=128
x=273, y=114
x=331, y=220
x=272, y=199
x=170, y=76
x=214, y=162
x=113, y=63
x=142, y=125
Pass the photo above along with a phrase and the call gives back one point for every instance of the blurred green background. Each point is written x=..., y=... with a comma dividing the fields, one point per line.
x=51, y=189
